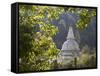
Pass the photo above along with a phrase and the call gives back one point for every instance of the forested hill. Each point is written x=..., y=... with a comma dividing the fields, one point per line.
x=87, y=36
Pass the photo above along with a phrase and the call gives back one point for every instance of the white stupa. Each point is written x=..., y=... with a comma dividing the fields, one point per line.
x=70, y=48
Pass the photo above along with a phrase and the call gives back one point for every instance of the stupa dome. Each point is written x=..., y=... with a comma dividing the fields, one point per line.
x=70, y=45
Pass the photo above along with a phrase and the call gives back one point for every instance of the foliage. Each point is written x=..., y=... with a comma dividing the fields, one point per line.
x=86, y=58
x=36, y=47
x=85, y=17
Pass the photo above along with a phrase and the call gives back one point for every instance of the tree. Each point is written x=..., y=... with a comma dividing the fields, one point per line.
x=36, y=47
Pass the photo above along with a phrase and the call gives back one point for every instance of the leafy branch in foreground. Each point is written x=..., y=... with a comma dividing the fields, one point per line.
x=36, y=48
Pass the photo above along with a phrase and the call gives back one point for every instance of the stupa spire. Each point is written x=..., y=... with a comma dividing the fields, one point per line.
x=70, y=33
